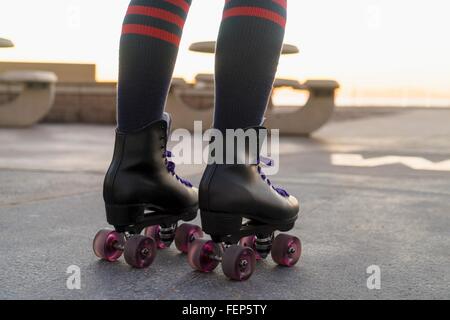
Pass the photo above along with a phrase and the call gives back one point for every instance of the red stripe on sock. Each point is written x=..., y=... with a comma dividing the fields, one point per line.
x=151, y=32
x=157, y=13
x=255, y=12
x=180, y=4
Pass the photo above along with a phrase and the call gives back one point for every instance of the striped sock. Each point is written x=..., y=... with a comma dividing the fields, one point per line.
x=151, y=34
x=248, y=49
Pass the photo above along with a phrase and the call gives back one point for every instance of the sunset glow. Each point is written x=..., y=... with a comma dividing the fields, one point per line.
x=394, y=51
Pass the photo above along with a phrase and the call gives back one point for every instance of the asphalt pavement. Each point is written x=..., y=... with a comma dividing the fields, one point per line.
x=375, y=193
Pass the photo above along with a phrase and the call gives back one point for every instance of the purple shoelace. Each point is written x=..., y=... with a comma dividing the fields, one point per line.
x=171, y=168
x=269, y=163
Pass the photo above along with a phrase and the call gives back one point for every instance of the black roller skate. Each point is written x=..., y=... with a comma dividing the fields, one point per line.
x=241, y=210
x=143, y=192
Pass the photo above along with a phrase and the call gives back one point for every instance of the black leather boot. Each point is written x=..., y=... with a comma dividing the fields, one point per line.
x=141, y=190
x=140, y=178
x=238, y=203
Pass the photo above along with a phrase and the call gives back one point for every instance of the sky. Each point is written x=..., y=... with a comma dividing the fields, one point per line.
x=381, y=51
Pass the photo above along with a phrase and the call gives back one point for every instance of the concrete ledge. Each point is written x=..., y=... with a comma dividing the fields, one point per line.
x=32, y=99
x=5, y=43
x=28, y=76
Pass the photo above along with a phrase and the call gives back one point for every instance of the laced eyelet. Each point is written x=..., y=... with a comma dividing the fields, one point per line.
x=171, y=169
x=269, y=162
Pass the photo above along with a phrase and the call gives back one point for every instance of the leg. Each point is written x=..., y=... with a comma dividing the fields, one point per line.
x=148, y=49
x=248, y=50
x=238, y=203
x=141, y=189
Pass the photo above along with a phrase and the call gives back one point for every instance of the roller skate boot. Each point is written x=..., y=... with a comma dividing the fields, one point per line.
x=142, y=192
x=241, y=210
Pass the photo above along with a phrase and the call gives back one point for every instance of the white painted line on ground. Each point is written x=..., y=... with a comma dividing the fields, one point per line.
x=416, y=163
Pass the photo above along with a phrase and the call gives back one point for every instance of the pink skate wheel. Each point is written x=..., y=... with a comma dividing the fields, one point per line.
x=204, y=255
x=108, y=245
x=250, y=242
x=286, y=250
x=154, y=233
x=185, y=235
x=140, y=251
x=238, y=262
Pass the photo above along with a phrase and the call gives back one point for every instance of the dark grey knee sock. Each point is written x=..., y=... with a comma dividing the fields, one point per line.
x=148, y=50
x=248, y=49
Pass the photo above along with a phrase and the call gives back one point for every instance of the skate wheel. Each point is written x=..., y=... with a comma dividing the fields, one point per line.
x=154, y=233
x=238, y=262
x=107, y=245
x=140, y=251
x=250, y=242
x=203, y=255
x=185, y=235
x=286, y=250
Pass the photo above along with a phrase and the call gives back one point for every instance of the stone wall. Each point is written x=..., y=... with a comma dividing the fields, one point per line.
x=85, y=102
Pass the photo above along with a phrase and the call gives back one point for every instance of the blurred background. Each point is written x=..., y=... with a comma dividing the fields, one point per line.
x=382, y=52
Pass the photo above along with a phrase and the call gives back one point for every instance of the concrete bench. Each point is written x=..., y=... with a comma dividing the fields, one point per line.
x=303, y=120
x=210, y=47
x=190, y=102
x=195, y=102
x=33, y=96
x=5, y=43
